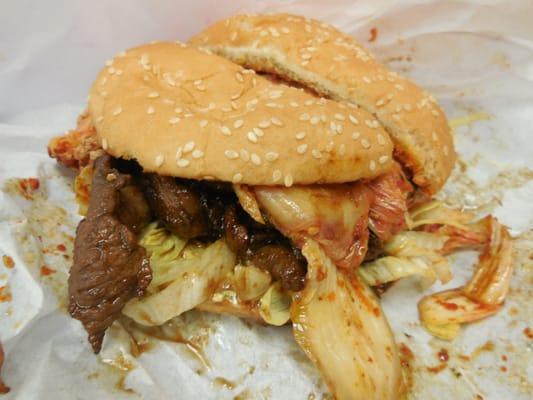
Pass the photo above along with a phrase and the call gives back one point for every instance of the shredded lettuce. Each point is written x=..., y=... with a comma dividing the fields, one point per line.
x=435, y=212
x=409, y=253
x=184, y=276
x=274, y=306
x=250, y=282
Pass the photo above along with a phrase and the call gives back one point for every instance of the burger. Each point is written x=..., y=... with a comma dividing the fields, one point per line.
x=273, y=169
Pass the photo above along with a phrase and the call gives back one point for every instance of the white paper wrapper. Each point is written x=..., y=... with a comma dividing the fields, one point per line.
x=477, y=58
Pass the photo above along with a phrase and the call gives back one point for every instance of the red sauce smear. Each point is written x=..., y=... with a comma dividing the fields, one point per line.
x=528, y=332
x=443, y=355
x=8, y=261
x=61, y=247
x=503, y=369
x=27, y=186
x=5, y=294
x=373, y=34
x=435, y=370
x=45, y=271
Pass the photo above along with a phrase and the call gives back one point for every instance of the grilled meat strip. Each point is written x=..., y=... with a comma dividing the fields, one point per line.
x=109, y=266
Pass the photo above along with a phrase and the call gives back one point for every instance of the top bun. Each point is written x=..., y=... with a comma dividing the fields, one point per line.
x=183, y=112
x=334, y=65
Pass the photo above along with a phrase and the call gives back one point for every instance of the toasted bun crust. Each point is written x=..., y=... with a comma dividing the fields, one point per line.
x=332, y=63
x=183, y=112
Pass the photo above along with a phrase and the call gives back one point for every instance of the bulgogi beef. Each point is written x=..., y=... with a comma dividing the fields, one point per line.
x=208, y=211
x=109, y=266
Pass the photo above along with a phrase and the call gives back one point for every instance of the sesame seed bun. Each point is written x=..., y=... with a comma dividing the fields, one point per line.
x=332, y=63
x=183, y=112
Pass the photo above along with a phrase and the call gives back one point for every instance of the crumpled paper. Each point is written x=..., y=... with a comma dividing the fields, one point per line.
x=475, y=57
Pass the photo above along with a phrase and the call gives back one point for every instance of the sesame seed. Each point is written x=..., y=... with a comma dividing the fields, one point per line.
x=203, y=123
x=381, y=139
x=372, y=123
x=272, y=105
x=342, y=149
x=293, y=104
x=434, y=136
x=276, y=121
x=380, y=103
x=383, y=159
x=237, y=178
x=233, y=36
x=231, y=154
x=117, y=110
x=252, y=137
x=233, y=104
x=301, y=149
x=407, y=107
x=245, y=156
x=109, y=63
x=445, y=150
x=153, y=95
x=198, y=82
x=99, y=119
x=111, y=70
x=274, y=31
x=197, y=154
x=372, y=165
x=300, y=135
x=174, y=120
x=306, y=56
x=314, y=120
x=329, y=147
x=353, y=120
x=276, y=175
x=178, y=110
x=316, y=153
x=304, y=117
x=276, y=94
x=365, y=143
x=258, y=132
x=188, y=147
x=159, y=160
x=271, y=156
x=104, y=144
x=237, y=124
x=399, y=87
x=118, y=72
x=264, y=124
x=333, y=127
x=239, y=77
x=226, y=109
x=340, y=117
x=396, y=117
x=150, y=110
x=366, y=79
x=304, y=63
x=340, y=128
x=285, y=29
x=255, y=159
x=225, y=130
x=263, y=33
x=179, y=153
x=188, y=115
x=182, y=162
x=288, y=181
x=435, y=113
